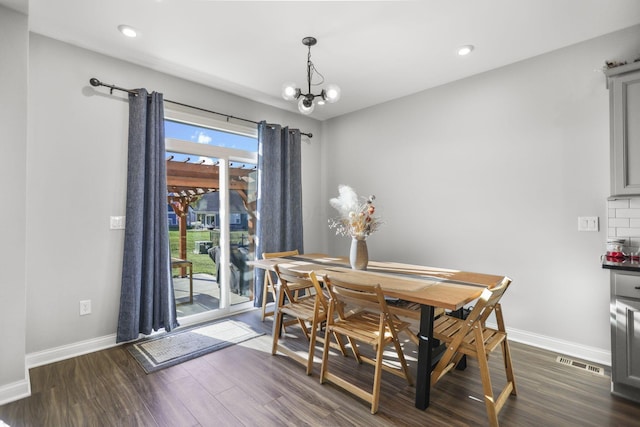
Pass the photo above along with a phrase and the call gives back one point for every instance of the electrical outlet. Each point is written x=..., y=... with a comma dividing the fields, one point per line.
x=85, y=307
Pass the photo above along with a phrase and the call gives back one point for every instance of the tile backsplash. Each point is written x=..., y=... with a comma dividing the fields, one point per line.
x=623, y=219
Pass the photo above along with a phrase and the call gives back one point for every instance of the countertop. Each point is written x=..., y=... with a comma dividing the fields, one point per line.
x=625, y=264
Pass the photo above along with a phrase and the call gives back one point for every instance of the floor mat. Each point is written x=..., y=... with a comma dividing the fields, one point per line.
x=179, y=346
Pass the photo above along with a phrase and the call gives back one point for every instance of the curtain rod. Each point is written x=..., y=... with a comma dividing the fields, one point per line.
x=95, y=82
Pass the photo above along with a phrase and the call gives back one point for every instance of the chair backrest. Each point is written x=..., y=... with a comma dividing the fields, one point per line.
x=292, y=281
x=268, y=279
x=266, y=255
x=344, y=292
x=486, y=304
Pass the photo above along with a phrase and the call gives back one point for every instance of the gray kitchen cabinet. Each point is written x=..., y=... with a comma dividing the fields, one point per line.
x=625, y=334
x=624, y=106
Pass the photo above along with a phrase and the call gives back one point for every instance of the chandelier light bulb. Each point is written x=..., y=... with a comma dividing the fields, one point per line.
x=305, y=106
x=331, y=94
x=289, y=91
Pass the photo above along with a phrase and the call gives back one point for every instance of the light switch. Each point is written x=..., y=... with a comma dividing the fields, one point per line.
x=588, y=223
x=117, y=222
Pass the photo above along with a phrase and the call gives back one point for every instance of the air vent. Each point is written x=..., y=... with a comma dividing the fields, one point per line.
x=580, y=365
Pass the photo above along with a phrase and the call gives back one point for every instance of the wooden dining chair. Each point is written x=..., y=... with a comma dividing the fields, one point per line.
x=309, y=310
x=473, y=338
x=360, y=313
x=269, y=286
x=410, y=311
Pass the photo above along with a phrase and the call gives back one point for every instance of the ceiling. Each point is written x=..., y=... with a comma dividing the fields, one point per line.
x=374, y=50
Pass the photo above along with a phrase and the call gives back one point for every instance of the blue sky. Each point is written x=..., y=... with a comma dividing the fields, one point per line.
x=202, y=135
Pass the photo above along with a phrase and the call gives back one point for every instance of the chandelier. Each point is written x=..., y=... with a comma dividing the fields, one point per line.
x=307, y=101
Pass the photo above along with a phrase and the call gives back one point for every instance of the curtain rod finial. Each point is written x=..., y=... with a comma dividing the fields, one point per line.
x=94, y=82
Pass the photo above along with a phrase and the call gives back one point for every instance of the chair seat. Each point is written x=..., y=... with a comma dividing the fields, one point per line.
x=365, y=327
x=410, y=310
x=303, y=309
x=445, y=327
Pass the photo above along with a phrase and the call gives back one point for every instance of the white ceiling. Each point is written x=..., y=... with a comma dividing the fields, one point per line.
x=374, y=50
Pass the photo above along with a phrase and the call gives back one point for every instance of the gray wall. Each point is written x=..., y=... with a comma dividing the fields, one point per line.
x=489, y=174
x=14, y=39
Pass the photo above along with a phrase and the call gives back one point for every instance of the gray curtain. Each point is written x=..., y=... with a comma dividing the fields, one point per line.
x=279, y=226
x=147, y=302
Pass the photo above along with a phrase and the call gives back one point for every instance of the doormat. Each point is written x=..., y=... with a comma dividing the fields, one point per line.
x=176, y=347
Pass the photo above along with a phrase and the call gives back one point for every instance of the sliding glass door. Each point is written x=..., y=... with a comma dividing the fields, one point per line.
x=211, y=193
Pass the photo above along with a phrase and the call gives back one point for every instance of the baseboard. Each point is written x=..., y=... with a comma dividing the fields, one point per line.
x=591, y=354
x=569, y=348
x=16, y=391
x=56, y=354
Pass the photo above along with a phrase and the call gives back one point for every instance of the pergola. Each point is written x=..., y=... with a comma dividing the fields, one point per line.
x=187, y=182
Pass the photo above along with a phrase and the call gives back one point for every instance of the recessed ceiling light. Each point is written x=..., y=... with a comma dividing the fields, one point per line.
x=127, y=30
x=465, y=50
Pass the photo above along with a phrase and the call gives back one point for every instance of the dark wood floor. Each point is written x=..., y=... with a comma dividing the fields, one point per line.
x=244, y=385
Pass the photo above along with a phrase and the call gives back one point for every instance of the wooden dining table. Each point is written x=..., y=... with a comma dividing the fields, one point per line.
x=428, y=286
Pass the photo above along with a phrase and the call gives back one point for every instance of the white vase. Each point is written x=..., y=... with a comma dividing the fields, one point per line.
x=359, y=255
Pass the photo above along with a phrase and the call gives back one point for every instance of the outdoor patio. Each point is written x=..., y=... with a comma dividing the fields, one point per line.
x=206, y=294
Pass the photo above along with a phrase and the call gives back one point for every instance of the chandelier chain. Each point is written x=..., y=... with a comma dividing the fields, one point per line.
x=311, y=70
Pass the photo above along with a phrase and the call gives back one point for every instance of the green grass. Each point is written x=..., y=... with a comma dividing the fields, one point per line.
x=202, y=263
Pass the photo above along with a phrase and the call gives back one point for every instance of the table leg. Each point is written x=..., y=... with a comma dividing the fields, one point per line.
x=425, y=355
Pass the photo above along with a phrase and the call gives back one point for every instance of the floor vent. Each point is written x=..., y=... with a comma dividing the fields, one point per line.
x=580, y=365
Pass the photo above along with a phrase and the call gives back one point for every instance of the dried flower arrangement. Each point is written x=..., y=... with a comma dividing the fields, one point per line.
x=356, y=214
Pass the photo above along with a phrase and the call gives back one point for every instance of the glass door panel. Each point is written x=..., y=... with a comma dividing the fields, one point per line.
x=193, y=213
x=242, y=198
